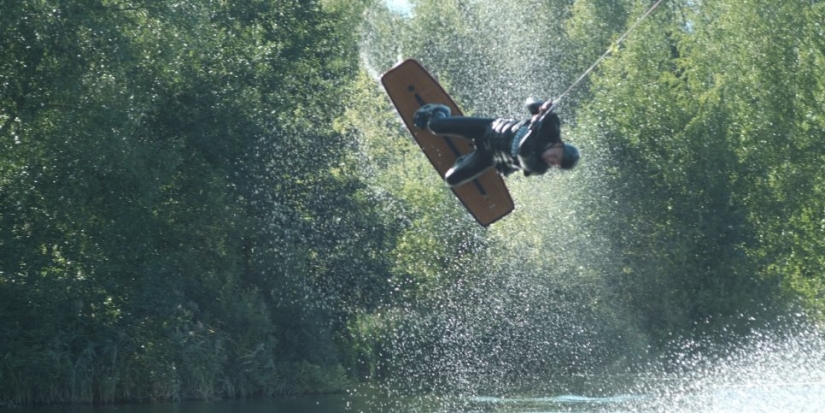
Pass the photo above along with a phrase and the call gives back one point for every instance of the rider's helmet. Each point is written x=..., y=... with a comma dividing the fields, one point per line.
x=570, y=157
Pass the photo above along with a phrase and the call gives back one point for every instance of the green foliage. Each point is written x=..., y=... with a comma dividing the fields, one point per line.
x=209, y=200
x=670, y=227
x=146, y=197
x=698, y=116
x=777, y=97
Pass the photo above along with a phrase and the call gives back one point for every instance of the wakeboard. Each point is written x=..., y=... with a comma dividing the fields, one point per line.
x=409, y=87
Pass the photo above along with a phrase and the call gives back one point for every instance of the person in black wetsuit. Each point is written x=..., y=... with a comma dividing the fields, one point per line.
x=532, y=145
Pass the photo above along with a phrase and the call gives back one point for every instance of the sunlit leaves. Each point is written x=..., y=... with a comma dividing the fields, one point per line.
x=770, y=82
x=709, y=118
x=158, y=160
x=195, y=197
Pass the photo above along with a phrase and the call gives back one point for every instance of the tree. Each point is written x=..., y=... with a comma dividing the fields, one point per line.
x=148, y=202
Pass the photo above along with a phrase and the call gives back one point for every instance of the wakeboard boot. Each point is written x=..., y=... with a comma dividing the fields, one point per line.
x=426, y=113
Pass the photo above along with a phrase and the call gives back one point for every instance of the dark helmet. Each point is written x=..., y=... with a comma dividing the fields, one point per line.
x=570, y=157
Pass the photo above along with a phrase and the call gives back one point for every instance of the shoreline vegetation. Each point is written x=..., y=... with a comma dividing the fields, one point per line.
x=209, y=200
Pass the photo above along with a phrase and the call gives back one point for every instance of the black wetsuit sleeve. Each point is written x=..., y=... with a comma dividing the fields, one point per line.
x=531, y=148
x=549, y=132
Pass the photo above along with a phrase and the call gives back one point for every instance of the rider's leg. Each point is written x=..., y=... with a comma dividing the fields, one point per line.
x=466, y=127
x=469, y=167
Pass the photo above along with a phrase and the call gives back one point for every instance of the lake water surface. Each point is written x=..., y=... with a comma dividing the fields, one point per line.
x=668, y=397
